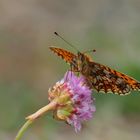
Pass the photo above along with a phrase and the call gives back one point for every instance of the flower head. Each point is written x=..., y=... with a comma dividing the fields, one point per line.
x=75, y=103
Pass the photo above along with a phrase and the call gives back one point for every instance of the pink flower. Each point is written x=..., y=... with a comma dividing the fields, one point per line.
x=76, y=105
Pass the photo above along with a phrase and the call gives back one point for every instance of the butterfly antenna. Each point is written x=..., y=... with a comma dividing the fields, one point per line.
x=65, y=41
x=90, y=51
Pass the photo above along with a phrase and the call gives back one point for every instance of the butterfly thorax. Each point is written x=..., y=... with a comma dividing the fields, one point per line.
x=81, y=63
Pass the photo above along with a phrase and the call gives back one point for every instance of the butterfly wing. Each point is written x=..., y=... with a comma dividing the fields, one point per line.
x=66, y=55
x=102, y=78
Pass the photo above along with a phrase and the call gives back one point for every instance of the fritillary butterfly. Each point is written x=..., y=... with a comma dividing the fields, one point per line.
x=98, y=76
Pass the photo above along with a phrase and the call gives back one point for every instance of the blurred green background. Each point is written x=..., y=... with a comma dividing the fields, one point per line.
x=28, y=68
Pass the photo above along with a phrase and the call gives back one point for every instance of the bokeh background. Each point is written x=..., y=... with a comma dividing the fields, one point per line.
x=28, y=68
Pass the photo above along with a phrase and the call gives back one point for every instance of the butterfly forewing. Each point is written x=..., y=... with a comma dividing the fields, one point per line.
x=66, y=55
x=98, y=76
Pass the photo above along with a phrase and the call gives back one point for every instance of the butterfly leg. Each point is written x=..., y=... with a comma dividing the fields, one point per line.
x=71, y=69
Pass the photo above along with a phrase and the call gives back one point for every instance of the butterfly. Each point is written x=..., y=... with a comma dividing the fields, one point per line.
x=98, y=76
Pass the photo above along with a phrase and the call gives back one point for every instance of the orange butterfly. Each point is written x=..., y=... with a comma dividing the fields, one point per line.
x=98, y=76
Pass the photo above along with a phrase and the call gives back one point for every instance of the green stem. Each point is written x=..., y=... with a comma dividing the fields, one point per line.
x=31, y=118
x=23, y=129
